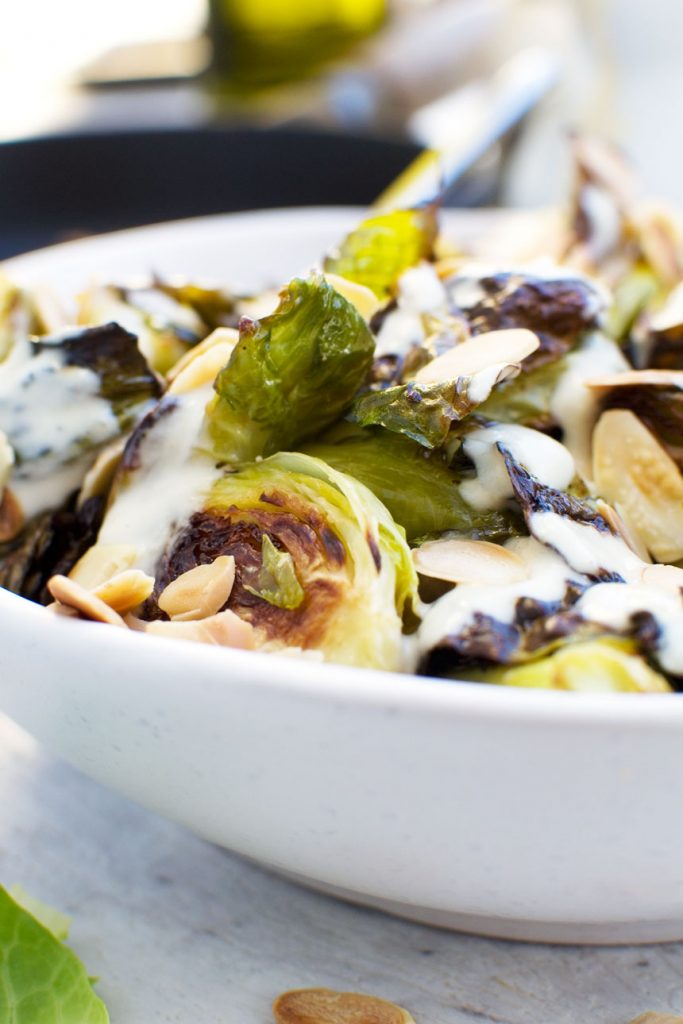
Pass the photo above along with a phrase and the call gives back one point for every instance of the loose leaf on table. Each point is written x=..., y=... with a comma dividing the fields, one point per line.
x=291, y=374
x=377, y=252
x=41, y=979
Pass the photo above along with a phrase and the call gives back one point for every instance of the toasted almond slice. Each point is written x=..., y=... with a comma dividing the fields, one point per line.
x=99, y=477
x=365, y=300
x=469, y=561
x=101, y=562
x=479, y=353
x=618, y=521
x=324, y=1006
x=200, y=592
x=668, y=577
x=126, y=590
x=637, y=378
x=225, y=629
x=73, y=595
x=204, y=363
x=11, y=515
x=631, y=469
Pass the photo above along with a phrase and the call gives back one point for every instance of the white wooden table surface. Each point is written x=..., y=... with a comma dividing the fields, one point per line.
x=181, y=931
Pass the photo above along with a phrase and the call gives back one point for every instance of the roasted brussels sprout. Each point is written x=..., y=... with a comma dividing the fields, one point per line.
x=291, y=374
x=382, y=247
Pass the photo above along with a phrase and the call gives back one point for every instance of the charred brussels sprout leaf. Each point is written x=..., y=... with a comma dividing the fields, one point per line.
x=423, y=412
x=276, y=582
x=291, y=374
x=417, y=486
x=215, y=307
x=525, y=399
x=50, y=545
x=112, y=354
x=319, y=562
x=382, y=247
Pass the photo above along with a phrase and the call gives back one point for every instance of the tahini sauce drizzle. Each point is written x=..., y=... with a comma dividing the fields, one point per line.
x=172, y=481
x=50, y=413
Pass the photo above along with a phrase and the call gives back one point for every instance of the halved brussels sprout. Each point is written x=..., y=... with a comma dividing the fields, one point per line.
x=291, y=374
x=597, y=666
x=418, y=487
x=319, y=563
x=382, y=247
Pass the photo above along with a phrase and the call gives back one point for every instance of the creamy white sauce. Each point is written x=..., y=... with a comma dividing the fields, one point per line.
x=482, y=383
x=51, y=413
x=613, y=604
x=548, y=578
x=420, y=292
x=585, y=548
x=171, y=483
x=545, y=459
x=575, y=406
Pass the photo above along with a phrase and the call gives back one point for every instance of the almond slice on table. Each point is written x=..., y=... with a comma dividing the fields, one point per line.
x=73, y=595
x=469, y=561
x=632, y=470
x=636, y=378
x=493, y=348
x=324, y=1006
x=225, y=630
x=657, y=1018
x=200, y=592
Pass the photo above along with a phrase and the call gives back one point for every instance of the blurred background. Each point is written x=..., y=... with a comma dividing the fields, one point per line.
x=124, y=112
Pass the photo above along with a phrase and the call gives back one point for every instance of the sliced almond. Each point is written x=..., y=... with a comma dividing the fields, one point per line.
x=225, y=629
x=101, y=562
x=620, y=525
x=73, y=595
x=99, y=477
x=469, y=561
x=365, y=300
x=126, y=590
x=668, y=577
x=324, y=1006
x=631, y=469
x=201, y=365
x=636, y=378
x=11, y=516
x=200, y=592
x=479, y=353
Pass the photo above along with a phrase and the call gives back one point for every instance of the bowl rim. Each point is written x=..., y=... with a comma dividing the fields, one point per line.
x=375, y=687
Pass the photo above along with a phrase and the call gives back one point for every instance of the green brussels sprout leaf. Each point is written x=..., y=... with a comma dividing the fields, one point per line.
x=377, y=252
x=276, y=581
x=291, y=374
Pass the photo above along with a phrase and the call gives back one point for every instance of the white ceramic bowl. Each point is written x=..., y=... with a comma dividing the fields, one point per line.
x=528, y=814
